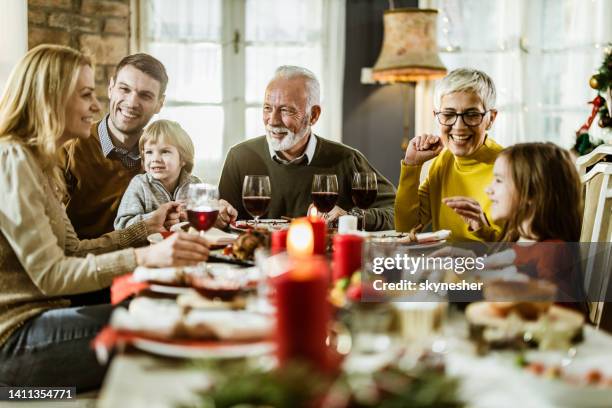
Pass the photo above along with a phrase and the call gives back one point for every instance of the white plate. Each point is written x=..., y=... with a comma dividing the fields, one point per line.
x=208, y=350
x=155, y=238
x=169, y=290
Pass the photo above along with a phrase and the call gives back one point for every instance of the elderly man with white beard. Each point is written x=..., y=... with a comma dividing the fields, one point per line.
x=290, y=154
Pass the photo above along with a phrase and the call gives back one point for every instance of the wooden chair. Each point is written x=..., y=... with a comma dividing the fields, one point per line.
x=597, y=227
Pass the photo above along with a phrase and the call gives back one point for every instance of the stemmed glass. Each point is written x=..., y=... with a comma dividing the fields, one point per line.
x=202, y=206
x=364, y=191
x=256, y=196
x=324, y=192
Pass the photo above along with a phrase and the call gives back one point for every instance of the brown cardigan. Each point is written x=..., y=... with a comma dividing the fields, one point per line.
x=95, y=185
x=41, y=258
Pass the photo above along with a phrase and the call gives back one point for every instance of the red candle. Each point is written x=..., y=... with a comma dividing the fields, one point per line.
x=278, y=242
x=319, y=231
x=302, y=313
x=347, y=255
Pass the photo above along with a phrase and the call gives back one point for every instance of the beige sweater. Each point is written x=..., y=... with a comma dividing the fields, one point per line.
x=41, y=258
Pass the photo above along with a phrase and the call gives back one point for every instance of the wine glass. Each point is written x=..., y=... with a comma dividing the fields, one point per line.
x=324, y=192
x=256, y=196
x=202, y=206
x=364, y=190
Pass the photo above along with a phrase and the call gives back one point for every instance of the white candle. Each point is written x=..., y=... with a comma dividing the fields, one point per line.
x=347, y=224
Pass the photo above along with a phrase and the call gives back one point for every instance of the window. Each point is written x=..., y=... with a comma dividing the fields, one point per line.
x=220, y=55
x=540, y=53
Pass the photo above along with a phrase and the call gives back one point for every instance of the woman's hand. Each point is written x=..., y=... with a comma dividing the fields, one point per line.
x=423, y=148
x=178, y=249
x=158, y=220
x=469, y=209
x=227, y=214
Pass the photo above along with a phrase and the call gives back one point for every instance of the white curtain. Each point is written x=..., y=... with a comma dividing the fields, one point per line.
x=220, y=55
x=540, y=53
x=13, y=36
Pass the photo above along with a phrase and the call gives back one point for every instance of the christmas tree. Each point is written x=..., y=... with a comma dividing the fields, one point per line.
x=602, y=83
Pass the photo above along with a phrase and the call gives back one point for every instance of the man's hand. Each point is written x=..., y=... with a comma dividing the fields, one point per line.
x=469, y=209
x=227, y=214
x=335, y=213
x=423, y=148
x=158, y=219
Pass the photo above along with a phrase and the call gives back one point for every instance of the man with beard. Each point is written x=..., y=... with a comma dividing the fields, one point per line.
x=290, y=154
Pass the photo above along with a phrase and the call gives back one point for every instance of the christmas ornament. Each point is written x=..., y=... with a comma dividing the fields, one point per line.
x=601, y=81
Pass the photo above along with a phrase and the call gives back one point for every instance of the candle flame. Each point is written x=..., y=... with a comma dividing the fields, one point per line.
x=300, y=238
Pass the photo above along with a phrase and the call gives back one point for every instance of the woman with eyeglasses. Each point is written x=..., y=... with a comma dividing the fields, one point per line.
x=452, y=196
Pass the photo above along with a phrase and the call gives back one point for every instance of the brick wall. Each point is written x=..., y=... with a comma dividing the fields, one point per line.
x=99, y=27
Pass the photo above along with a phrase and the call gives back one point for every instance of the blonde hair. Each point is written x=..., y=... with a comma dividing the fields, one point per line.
x=33, y=104
x=467, y=80
x=168, y=131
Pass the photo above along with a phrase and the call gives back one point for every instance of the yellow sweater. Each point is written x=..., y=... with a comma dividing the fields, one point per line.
x=448, y=176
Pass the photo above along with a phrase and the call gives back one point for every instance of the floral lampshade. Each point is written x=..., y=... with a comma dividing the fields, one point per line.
x=410, y=51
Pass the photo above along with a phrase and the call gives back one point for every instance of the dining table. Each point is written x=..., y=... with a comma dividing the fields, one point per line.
x=139, y=379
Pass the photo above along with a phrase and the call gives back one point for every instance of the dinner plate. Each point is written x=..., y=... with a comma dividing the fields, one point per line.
x=269, y=223
x=169, y=289
x=204, y=349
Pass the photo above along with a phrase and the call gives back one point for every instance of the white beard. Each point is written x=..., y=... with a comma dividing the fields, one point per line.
x=287, y=142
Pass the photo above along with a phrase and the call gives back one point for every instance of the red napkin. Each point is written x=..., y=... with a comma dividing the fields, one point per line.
x=124, y=287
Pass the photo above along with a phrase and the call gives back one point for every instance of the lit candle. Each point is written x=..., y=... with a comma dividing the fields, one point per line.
x=319, y=232
x=306, y=236
x=300, y=238
x=303, y=313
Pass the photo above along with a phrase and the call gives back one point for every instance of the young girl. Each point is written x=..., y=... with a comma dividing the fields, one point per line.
x=167, y=153
x=536, y=191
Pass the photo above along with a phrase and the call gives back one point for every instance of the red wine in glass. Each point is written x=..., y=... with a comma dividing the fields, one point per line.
x=202, y=206
x=202, y=219
x=256, y=206
x=364, y=189
x=324, y=202
x=256, y=195
x=364, y=197
x=324, y=192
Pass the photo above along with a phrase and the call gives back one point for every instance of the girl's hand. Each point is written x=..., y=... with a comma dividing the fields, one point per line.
x=156, y=222
x=423, y=148
x=178, y=249
x=227, y=214
x=469, y=209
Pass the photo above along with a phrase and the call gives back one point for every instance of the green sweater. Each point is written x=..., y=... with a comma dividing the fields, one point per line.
x=291, y=183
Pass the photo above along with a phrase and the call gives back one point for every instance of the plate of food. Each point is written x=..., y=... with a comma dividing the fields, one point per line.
x=570, y=382
x=271, y=224
x=194, y=349
x=165, y=328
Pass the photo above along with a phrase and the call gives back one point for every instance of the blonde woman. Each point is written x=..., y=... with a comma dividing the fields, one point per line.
x=167, y=156
x=49, y=100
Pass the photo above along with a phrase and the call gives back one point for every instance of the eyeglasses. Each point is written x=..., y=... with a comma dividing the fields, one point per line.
x=469, y=118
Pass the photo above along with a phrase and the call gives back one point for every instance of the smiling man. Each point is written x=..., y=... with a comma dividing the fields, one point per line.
x=290, y=154
x=98, y=169
x=453, y=194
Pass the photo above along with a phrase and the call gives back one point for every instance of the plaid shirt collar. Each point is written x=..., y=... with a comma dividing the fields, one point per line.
x=305, y=158
x=130, y=159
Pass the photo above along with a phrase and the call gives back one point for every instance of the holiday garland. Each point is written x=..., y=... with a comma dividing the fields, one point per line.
x=601, y=82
